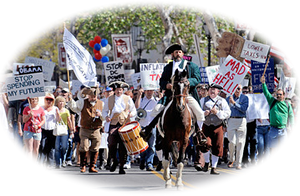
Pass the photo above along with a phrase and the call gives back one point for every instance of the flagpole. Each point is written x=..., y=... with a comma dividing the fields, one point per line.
x=68, y=74
x=266, y=65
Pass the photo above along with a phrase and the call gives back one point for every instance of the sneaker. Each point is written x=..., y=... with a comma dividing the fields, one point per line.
x=69, y=163
x=127, y=166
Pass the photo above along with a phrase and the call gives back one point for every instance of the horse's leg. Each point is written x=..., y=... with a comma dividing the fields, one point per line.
x=180, y=165
x=166, y=166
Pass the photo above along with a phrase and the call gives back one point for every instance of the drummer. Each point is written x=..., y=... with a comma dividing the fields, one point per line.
x=118, y=110
x=146, y=104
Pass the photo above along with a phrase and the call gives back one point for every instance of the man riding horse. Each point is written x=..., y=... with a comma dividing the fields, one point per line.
x=177, y=51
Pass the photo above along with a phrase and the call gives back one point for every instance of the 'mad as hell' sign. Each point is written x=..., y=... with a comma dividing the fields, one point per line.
x=23, y=86
x=231, y=74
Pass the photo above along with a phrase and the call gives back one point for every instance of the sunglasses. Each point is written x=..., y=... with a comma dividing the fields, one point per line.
x=48, y=99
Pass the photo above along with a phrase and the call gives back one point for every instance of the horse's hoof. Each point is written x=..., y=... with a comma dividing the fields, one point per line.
x=180, y=187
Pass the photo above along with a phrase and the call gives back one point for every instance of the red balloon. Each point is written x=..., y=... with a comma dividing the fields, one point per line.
x=92, y=43
x=98, y=56
x=95, y=51
x=97, y=39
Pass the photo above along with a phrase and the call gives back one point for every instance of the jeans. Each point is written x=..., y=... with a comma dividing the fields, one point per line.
x=61, y=145
x=148, y=155
x=275, y=135
x=262, y=140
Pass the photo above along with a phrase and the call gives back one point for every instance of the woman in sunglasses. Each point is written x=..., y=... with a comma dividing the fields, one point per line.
x=48, y=139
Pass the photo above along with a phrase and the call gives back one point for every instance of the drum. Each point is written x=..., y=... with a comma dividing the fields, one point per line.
x=130, y=135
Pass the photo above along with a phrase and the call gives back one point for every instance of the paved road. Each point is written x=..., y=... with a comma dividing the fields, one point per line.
x=137, y=180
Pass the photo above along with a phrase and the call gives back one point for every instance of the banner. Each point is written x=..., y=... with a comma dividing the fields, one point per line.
x=23, y=86
x=231, y=74
x=150, y=75
x=257, y=70
x=255, y=51
x=114, y=71
x=48, y=66
x=122, y=46
x=79, y=59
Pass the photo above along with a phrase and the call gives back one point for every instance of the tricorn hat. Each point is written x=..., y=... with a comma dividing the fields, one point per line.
x=214, y=85
x=173, y=47
x=118, y=84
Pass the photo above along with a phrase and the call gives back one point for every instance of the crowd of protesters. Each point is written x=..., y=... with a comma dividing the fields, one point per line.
x=93, y=116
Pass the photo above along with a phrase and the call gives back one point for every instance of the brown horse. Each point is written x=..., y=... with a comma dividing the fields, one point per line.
x=176, y=123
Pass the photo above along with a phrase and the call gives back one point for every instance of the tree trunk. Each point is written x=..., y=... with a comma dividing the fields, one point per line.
x=169, y=25
x=212, y=27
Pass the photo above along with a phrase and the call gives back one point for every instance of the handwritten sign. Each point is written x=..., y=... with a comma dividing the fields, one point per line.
x=23, y=86
x=231, y=74
x=255, y=51
x=114, y=71
x=150, y=75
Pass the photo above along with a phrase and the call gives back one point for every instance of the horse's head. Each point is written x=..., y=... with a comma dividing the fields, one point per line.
x=181, y=88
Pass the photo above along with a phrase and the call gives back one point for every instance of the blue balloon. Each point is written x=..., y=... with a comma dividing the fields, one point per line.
x=105, y=59
x=96, y=59
x=104, y=42
x=97, y=47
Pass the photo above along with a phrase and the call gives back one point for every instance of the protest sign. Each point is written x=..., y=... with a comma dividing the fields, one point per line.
x=255, y=51
x=26, y=68
x=23, y=86
x=136, y=80
x=122, y=47
x=114, y=71
x=150, y=75
x=288, y=85
x=48, y=66
x=204, y=79
x=258, y=107
x=231, y=74
x=257, y=70
x=211, y=72
x=128, y=74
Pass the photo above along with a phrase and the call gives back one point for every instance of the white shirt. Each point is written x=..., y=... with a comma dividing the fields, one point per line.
x=175, y=66
x=222, y=114
x=50, y=118
x=149, y=107
x=119, y=107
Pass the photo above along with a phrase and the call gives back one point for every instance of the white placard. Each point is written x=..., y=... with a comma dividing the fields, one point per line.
x=150, y=75
x=136, y=80
x=255, y=51
x=48, y=66
x=23, y=86
x=258, y=107
x=231, y=74
x=114, y=71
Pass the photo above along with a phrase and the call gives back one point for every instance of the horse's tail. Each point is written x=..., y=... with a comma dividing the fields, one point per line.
x=175, y=151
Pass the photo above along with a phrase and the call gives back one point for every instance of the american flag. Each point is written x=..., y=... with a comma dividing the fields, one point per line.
x=278, y=51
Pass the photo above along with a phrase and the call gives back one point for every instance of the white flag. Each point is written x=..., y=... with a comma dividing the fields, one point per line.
x=79, y=59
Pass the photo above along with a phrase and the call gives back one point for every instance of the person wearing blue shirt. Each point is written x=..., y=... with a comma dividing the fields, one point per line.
x=237, y=126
